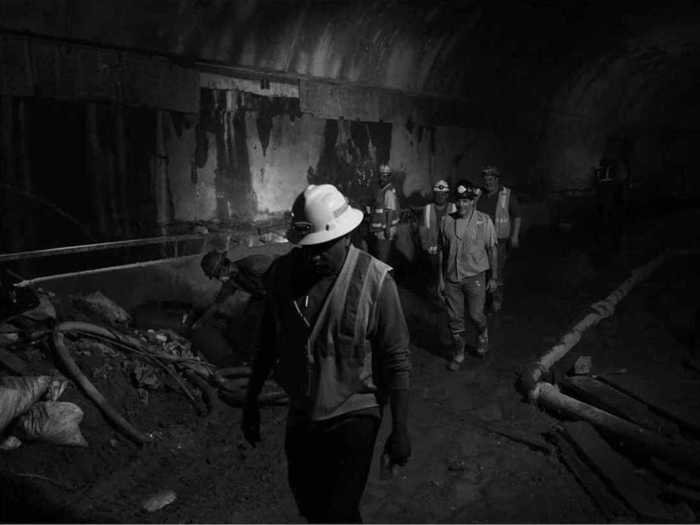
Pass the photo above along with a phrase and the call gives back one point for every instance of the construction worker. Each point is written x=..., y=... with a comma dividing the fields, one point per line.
x=468, y=248
x=243, y=274
x=501, y=204
x=384, y=215
x=336, y=337
x=215, y=330
x=611, y=179
x=429, y=227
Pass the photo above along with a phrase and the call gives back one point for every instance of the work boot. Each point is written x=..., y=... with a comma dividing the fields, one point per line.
x=482, y=344
x=458, y=356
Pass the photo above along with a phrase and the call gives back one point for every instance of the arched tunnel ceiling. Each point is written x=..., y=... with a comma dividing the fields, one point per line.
x=514, y=52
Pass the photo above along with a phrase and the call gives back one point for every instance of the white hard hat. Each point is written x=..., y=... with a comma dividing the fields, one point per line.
x=384, y=168
x=441, y=185
x=320, y=214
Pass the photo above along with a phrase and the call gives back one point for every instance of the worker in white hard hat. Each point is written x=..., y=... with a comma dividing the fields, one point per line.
x=429, y=229
x=337, y=340
x=384, y=215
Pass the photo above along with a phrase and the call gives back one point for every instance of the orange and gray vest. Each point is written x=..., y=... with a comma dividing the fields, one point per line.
x=502, y=222
x=429, y=228
x=385, y=214
x=330, y=372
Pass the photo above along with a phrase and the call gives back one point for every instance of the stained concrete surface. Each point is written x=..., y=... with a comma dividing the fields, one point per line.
x=459, y=470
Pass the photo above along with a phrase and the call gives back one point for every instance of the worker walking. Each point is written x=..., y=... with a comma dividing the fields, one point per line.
x=501, y=204
x=611, y=178
x=428, y=230
x=468, y=249
x=336, y=337
x=384, y=215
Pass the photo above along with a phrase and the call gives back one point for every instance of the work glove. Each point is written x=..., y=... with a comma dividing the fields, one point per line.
x=398, y=447
x=250, y=424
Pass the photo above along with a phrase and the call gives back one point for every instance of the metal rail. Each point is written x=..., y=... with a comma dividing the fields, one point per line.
x=82, y=248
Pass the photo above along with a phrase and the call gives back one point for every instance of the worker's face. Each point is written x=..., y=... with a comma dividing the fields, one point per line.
x=384, y=178
x=328, y=257
x=440, y=197
x=465, y=206
x=491, y=183
x=222, y=271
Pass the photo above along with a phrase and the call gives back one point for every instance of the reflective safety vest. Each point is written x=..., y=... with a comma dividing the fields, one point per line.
x=430, y=227
x=385, y=214
x=331, y=371
x=502, y=222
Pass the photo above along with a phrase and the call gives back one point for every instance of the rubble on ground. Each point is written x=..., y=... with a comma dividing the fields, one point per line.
x=52, y=427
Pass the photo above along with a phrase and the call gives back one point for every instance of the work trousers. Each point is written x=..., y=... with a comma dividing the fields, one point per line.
x=328, y=463
x=431, y=265
x=472, y=291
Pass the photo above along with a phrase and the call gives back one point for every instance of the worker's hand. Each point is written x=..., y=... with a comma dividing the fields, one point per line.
x=514, y=241
x=441, y=290
x=398, y=447
x=189, y=321
x=250, y=424
x=491, y=285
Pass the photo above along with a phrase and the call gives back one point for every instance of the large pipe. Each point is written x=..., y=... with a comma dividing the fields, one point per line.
x=678, y=452
x=602, y=309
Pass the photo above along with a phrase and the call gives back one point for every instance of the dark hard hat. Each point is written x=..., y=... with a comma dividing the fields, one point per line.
x=465, y=189
x=490, y=170
x=212, y=263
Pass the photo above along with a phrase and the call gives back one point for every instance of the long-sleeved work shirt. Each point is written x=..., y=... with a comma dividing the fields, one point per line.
x=387, y=332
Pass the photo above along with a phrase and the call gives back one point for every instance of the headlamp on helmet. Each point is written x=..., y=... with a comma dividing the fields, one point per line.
x=490, y=171
x=441, y=186
x=466, y=190
x=385, y=169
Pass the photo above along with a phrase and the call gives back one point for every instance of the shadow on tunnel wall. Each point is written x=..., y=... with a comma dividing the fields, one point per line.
x=351, y=152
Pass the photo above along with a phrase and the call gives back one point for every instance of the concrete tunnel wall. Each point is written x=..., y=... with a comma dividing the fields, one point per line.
x=279, y=173
x=540, y=99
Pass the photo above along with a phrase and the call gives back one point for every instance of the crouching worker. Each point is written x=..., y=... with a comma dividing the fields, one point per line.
x=336, y=337
x=223, y=334
x=468, y=249
x=242, y=274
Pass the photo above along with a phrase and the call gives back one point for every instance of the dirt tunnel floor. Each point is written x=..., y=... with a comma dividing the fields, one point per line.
x=460, y=470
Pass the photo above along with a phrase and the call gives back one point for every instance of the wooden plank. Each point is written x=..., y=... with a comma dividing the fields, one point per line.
x=636, y=491
x=677, y=474
x=684, y=493
x=660, y=399
x=612, y=508
x=608, y=398
x=675, y=450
